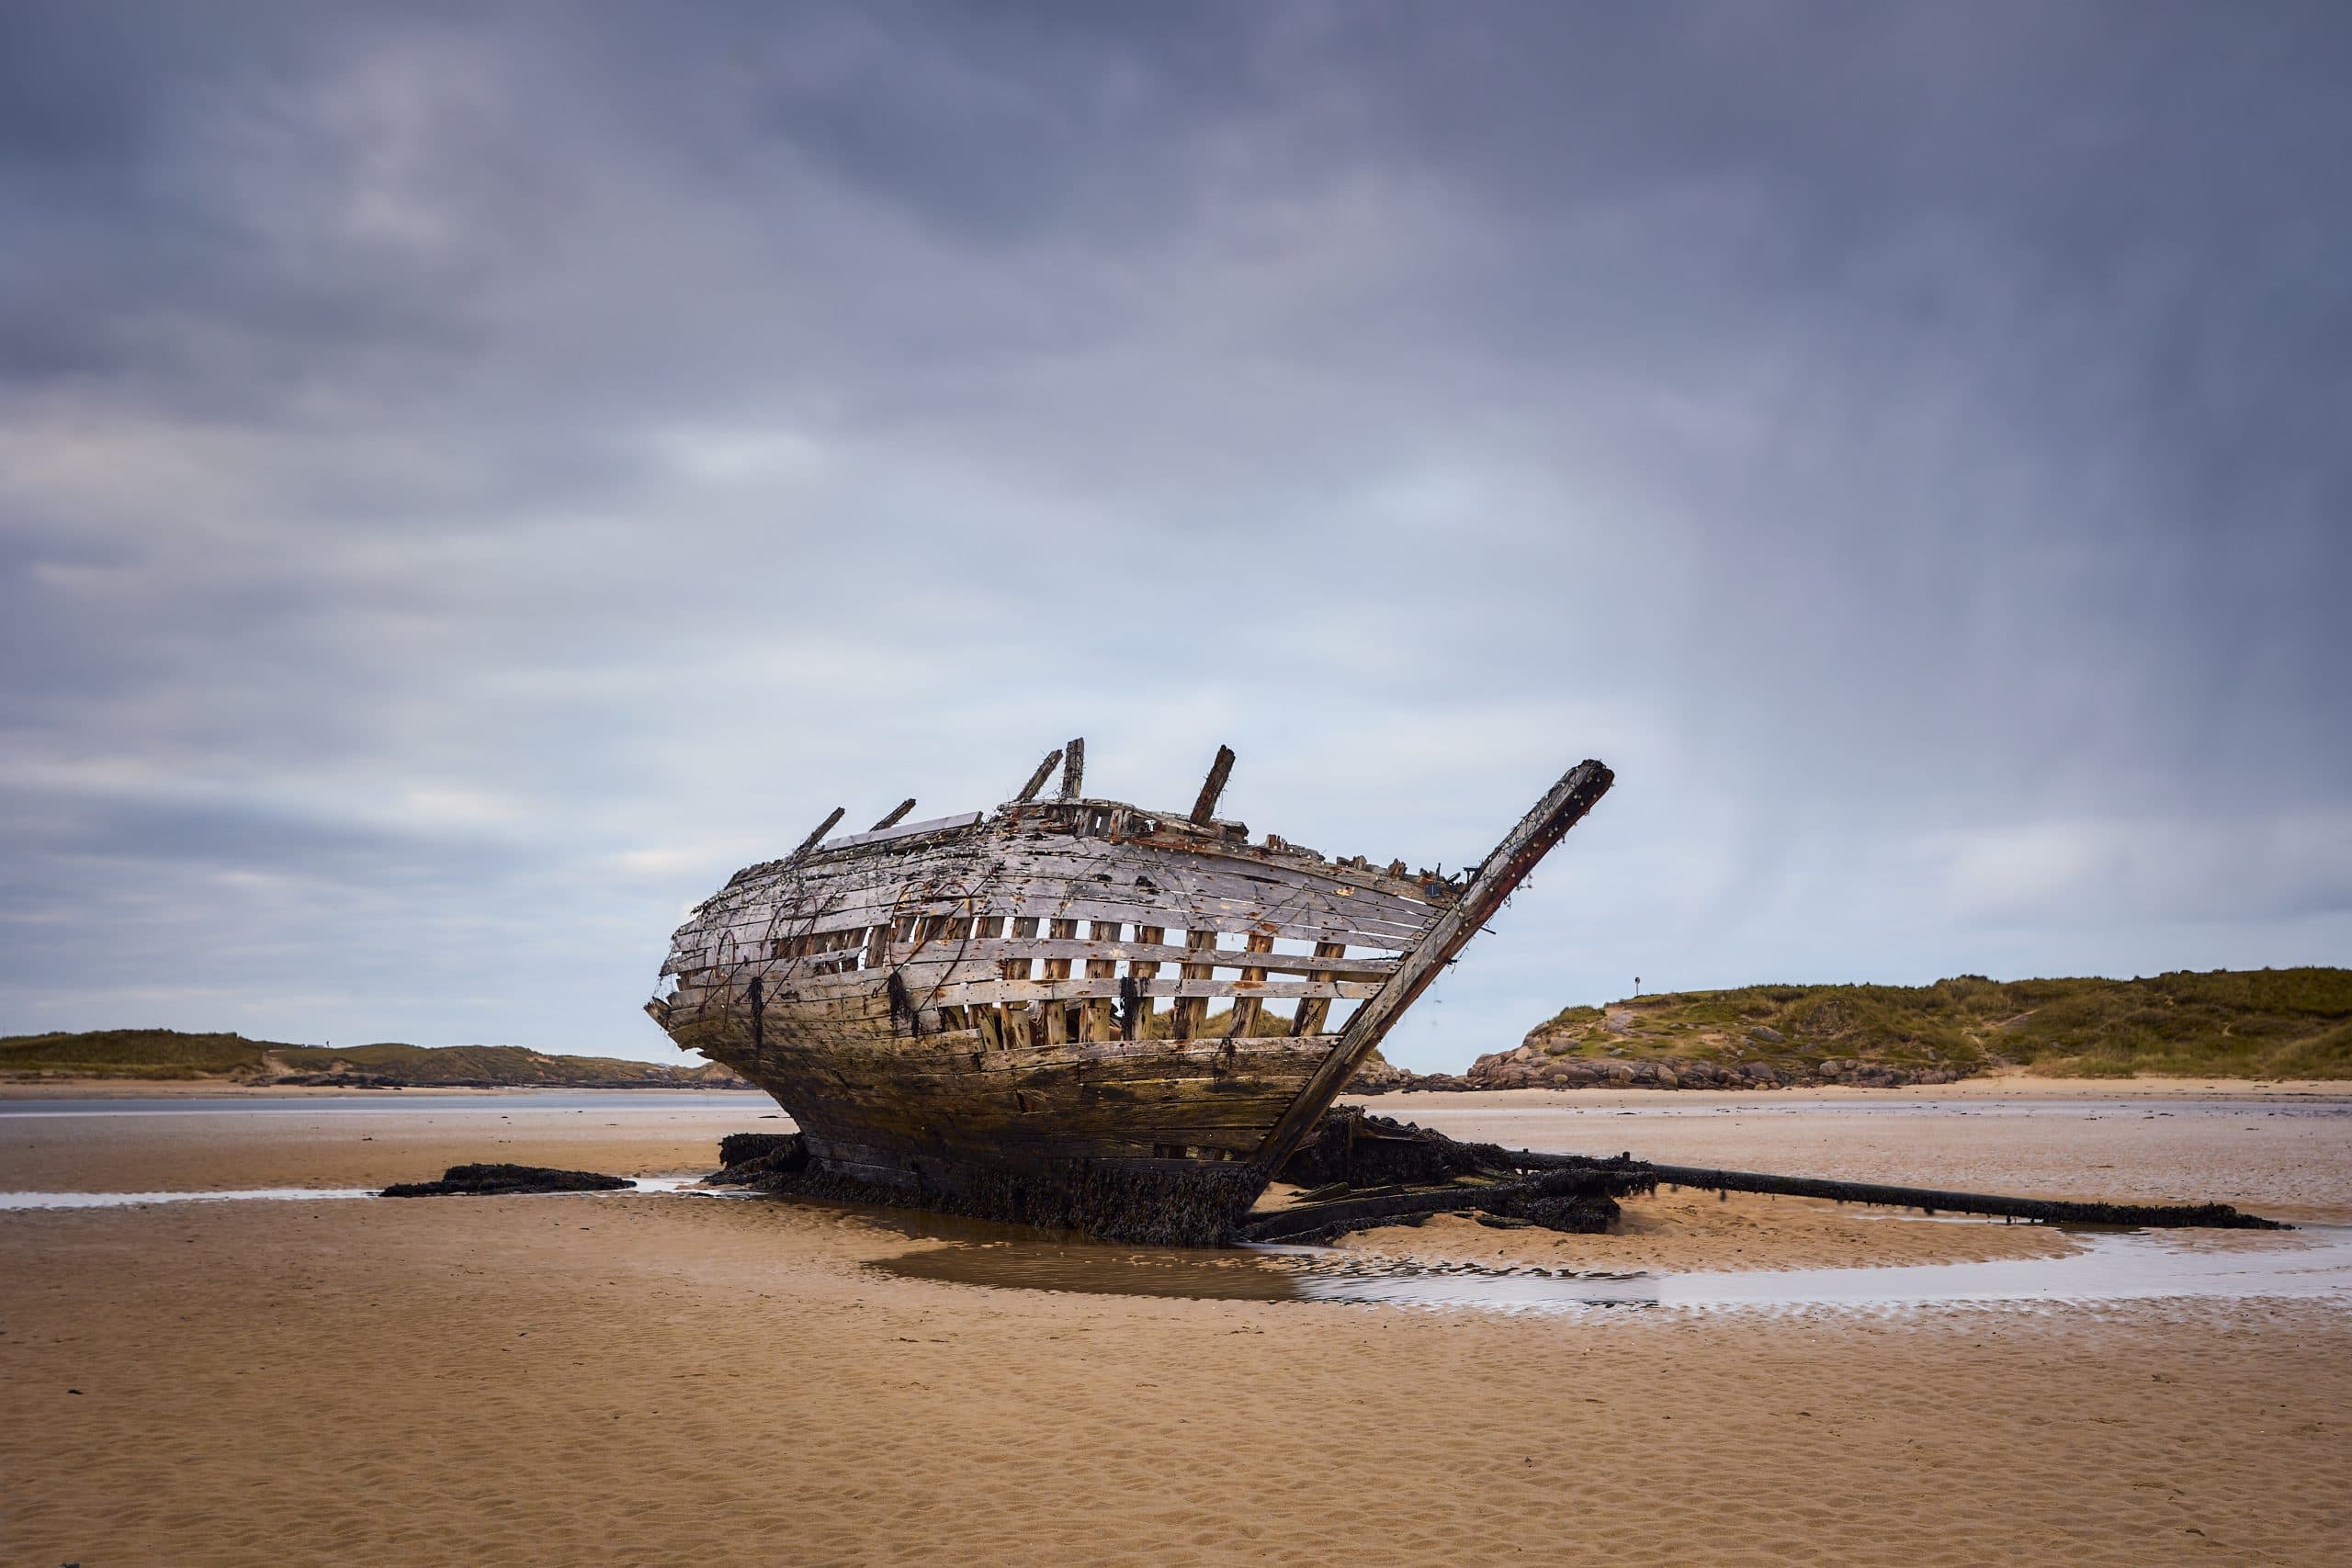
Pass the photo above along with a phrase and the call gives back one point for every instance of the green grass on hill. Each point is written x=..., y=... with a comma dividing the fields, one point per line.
x=133, y=1053
x=2228, y=1024
x=167, y=1053
x=475, y=1063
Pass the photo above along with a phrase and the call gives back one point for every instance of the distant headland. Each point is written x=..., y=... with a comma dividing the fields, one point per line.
x=171, y=1055
x=2234, y=1024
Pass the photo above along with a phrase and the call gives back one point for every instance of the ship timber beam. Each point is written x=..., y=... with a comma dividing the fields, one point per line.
x=1505, y=869
x=1037, y=780
x=1212, y=787
x=813, y=839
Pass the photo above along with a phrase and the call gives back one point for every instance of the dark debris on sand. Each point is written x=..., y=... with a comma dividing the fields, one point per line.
x=482, y=1180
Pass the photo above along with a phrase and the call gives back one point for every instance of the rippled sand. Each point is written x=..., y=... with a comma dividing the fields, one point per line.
x=638, y=1378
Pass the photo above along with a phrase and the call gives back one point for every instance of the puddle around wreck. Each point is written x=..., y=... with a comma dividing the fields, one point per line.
x=2111, y=1266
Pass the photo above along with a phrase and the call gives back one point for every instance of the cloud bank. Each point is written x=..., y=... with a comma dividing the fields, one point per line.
x=471, y=477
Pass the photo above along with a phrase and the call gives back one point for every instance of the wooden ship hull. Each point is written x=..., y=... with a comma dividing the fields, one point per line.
x=1071, y=1010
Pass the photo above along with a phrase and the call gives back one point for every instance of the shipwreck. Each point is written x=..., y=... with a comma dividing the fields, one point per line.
x=1071, y=1010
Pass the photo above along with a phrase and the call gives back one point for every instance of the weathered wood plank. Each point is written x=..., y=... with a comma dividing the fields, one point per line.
x=1212, y=787
x=823, y=827
x=1088, y=988
x=1037, y=780
x=1562, y=807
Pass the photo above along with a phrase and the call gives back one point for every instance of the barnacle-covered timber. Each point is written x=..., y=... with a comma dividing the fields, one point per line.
x=1073, y=1010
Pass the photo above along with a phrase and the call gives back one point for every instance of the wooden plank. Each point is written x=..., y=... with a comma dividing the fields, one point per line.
x=898, y=814
x=1561, y=808
x=1205, y=875
x=1212, y=787
x=1036, y=879
x=1086, y=988
x=991, y=953
x=1074, y=769
x=1037, y=780
x=1234, y=918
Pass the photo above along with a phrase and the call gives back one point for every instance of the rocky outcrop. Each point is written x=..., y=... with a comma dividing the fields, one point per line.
x=1536, y=1069
x=752, y=1157
x=1532, y=1067
x=485, y=1180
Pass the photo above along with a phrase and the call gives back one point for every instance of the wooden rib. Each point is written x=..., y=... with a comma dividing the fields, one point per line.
x=1098, y=1024
x=898, y=814
x=1058, y=1028
x=1312, y=1011
x=1073, y=768
x=1190, y=1010
x=1246, y=1009
x=1142, y=970
x=1019, y=1032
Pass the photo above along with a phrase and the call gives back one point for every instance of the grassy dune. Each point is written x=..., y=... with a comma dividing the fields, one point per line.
x=167, y=1053
x=2227, y=1023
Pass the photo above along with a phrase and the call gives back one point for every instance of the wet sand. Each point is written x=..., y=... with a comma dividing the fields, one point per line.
x=656, y=1379
x=345, y=1141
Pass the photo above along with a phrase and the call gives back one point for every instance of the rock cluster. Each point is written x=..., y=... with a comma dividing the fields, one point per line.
x=480, y=1181
x=750, y=1157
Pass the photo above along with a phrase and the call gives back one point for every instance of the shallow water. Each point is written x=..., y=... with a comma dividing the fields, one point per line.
x=1701, y=1103
x=2111, y=1266
x=401, y=1102
x=645, y=1184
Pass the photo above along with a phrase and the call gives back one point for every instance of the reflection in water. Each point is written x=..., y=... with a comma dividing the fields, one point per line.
x=2313, y=1264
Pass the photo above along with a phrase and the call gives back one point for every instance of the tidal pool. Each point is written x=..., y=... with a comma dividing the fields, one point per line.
x=2314, y=1263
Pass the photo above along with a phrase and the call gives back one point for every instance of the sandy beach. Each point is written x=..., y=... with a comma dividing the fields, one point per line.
x=656, y=1379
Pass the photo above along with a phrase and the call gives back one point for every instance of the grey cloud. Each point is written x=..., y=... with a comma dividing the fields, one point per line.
x=505, y=467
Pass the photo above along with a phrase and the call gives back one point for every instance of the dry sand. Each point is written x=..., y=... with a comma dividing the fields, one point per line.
x=615, y=1379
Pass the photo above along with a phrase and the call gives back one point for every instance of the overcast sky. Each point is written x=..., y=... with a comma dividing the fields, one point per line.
x=472, y=476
